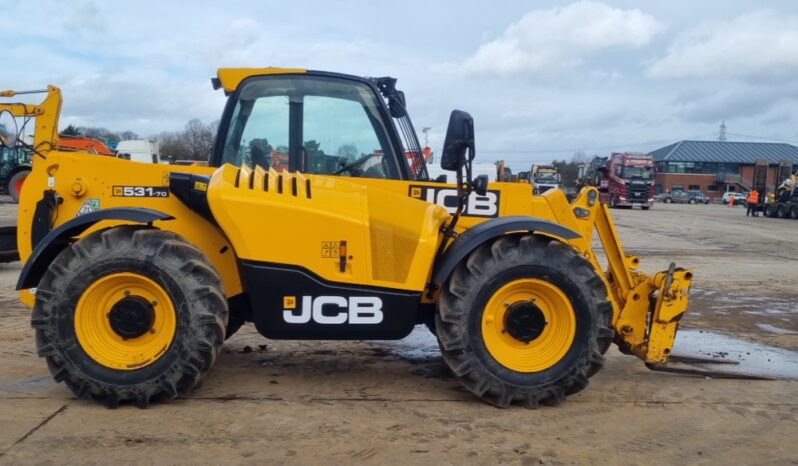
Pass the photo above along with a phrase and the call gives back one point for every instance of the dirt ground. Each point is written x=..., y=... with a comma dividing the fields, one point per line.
x=395, y=402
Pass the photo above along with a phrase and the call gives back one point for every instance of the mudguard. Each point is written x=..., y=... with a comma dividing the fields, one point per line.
x=51, y=245
x=472, y=238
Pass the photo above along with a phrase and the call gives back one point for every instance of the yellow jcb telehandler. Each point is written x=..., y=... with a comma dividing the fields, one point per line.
x=315, y=219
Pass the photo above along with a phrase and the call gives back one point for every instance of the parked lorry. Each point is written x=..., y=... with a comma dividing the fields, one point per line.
x=544, y=178
x=139, y=150
x=624, y=179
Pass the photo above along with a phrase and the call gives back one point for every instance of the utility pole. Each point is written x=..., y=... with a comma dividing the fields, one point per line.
x=722, y=136
x=425, y=130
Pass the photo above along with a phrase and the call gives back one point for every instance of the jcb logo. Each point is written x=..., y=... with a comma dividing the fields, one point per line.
x=333, y=310
x=476, y=205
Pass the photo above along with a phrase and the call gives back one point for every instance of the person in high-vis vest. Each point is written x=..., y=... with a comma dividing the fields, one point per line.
x=753, y=203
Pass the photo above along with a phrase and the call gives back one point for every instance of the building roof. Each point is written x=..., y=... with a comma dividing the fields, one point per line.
x=726, y=152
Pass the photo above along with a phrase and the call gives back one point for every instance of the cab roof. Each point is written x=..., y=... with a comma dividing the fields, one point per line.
x=230, y=78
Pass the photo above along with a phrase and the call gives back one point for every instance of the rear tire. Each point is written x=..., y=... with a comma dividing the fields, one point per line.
x=71, y=316
x=794, y=212
x=15, y=184
x=467, y=331
x=781, y=211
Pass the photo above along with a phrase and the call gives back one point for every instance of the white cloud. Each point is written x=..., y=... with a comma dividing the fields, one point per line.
x=548, y=41
x=757, y=44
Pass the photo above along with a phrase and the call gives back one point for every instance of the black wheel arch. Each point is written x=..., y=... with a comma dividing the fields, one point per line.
x=46, y=249
x=488, y=230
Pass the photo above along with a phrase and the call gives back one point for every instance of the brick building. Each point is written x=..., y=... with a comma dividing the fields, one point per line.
x=715, y=167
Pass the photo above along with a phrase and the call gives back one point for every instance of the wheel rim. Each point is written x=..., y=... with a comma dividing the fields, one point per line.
x=18, y=184
x=125, y=321
x=549, y=345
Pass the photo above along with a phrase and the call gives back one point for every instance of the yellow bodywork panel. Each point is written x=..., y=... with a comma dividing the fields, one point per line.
x=232, y=77
x=301, y=220
x=90, y=182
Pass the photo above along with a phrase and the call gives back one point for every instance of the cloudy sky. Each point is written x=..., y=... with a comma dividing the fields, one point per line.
x=542, y=79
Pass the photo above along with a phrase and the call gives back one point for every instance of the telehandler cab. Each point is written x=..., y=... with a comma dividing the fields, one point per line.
x=315, y=219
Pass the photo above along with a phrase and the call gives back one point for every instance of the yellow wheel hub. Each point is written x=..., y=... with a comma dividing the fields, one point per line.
x=528, y=325
x=125, y=321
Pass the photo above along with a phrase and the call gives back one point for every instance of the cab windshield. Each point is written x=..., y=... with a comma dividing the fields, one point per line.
x=547, y=177
x=642, y=173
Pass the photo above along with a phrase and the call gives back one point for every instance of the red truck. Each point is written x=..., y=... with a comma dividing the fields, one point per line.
x=623, y=179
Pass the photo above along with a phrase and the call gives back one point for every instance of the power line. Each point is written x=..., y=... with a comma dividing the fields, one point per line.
x=763, y=138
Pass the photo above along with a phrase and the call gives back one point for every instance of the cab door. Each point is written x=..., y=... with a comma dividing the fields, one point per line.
x=321, y=256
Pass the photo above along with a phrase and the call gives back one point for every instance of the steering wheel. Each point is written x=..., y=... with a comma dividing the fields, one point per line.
x=353, y=165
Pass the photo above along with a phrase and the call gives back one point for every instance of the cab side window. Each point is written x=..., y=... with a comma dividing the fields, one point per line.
x=264, y=141
x=339, y=139
x=312, y=124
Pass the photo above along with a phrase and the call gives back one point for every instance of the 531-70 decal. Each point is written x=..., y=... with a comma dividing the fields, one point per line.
x=476, y=206
x=140, y=191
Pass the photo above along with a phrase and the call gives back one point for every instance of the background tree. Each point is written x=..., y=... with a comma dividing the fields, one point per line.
x=569, y=171
x=348, y=152
x=194, y=142
x=260, y=152
x=70, y=130
x=313, y=147
x=580, y=157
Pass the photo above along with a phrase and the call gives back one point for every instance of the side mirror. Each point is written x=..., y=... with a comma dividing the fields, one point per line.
x=459, y=142
x=480, y=185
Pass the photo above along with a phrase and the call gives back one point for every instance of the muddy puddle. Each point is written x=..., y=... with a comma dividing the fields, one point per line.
x=751, y=358
x=725, y=302
x=420, y=346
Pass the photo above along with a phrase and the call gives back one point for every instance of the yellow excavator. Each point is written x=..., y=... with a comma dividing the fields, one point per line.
x=315, y=219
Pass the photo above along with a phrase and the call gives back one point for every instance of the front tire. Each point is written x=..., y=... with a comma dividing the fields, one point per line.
x=130, y=314
x=524, y=318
